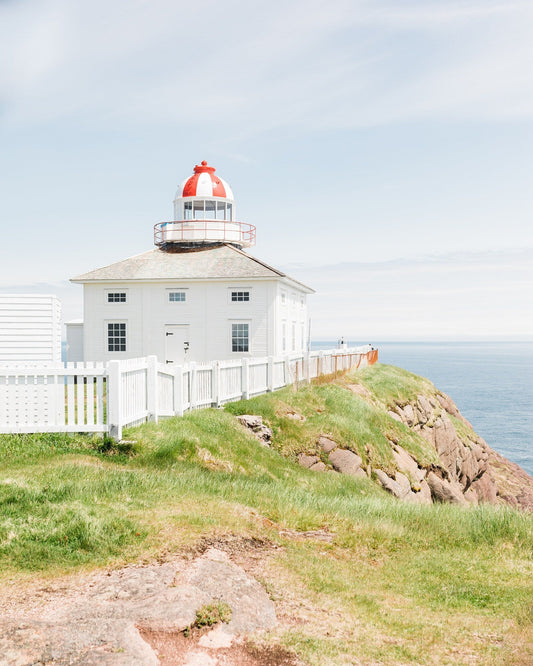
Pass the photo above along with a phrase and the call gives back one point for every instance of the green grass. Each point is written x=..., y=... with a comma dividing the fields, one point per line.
x=398, y=583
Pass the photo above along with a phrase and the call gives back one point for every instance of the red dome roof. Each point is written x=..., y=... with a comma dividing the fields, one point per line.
x=204, y=183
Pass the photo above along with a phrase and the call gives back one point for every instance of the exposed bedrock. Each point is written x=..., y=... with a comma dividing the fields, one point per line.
x=468, y=471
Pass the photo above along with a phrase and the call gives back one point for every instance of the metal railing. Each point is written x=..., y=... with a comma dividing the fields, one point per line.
x=204, y=231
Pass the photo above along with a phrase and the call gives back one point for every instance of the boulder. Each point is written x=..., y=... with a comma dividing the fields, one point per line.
x=326, y=444
x=389, y=484
x=407, y=464
x=318, y=467
x=395, y=416
x=250, y=421
x=345, y=461
x=445, y=491
x=424, y=409
x=471, y=496
x=308, y=461
x=404, y=483
x=485, y=489
x=408, y=415
x=423, y=496
x=445, y=441
x=256, y=425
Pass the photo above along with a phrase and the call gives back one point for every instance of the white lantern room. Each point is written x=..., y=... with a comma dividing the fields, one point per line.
x=204, y=212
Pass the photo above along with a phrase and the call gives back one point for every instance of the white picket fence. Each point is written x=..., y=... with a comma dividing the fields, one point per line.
x=105, y=398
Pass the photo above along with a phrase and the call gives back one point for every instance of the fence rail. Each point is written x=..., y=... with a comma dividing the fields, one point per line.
x=105, y=398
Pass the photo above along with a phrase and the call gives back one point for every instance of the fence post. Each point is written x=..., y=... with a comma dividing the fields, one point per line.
x=215, y=383
x=307, y=365
x=152, y=397
x=270, y=373
x=286, y=371
x=114, y=399
x=192, y=385
x=178, y=390
x=245, y=379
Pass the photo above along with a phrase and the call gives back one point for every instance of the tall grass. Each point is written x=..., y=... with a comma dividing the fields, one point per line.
x=71, y=501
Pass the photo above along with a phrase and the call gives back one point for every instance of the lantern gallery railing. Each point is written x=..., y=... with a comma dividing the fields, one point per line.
x=204, y=231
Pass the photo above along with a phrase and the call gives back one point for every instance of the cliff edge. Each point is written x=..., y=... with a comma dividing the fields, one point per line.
x=405, y=434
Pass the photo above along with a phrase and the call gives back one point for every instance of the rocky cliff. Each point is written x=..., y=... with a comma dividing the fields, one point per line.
x=446, y=461
x=469, y=471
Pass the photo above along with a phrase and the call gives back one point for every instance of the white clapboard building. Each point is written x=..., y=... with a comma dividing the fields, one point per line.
x=30, y=329
x=198, y=296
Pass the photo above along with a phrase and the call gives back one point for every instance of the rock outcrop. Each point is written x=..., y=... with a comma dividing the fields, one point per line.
x=110, y=618
x=468, y=471
x=256, y=425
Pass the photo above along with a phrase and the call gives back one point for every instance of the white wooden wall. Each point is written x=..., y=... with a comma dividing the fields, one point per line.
x=30, y=328
x=208, y=311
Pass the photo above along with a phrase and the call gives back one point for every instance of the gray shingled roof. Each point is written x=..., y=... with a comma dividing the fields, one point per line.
x=219, y=262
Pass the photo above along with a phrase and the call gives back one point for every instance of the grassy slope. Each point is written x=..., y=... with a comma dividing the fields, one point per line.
x=397, y=584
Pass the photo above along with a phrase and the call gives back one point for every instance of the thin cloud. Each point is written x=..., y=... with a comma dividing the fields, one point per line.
x=340, y=64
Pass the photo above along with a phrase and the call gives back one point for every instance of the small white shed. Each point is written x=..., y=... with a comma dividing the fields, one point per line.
x=30, y=328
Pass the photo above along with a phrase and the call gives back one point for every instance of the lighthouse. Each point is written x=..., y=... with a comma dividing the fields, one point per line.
x=197, y=296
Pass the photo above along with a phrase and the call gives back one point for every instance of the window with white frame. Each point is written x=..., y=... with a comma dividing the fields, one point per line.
x=240, y=296
x=284, y=337
x=283, y=298
x=240, y=337
x=177, y=296
x=116, y=336
x=116, y=296
x=302, y=301
x=294, y=336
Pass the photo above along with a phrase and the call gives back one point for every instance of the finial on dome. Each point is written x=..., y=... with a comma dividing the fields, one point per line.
x=203, y=167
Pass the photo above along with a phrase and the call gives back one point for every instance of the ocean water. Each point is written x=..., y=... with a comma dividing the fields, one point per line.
x=491, y=383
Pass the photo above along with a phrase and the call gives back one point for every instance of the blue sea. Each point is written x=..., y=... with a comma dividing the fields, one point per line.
x=491, y=383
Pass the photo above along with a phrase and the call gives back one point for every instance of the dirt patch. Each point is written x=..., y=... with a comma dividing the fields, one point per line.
x=175, y=649
x=231, y=544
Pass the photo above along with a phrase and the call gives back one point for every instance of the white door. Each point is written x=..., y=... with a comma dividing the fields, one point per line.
x=176, y=343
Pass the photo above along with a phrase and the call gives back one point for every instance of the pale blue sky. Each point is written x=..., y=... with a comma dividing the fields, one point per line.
x=383, y=149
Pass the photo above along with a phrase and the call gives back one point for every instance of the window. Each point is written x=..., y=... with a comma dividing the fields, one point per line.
x=176, y=296
x=198, y=208
x=284, y=337
x=240, y=296
x=294, y=337
x=302, y=301
x=283, y=298
x=240, y=338
x=116, y=296
x=187, y=210
x=116, y=337
x=210, y=210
